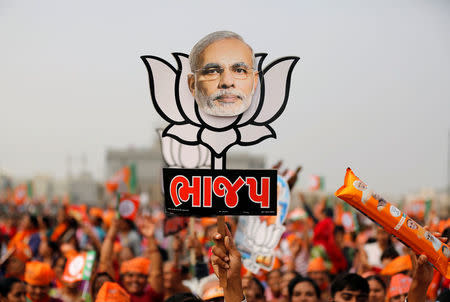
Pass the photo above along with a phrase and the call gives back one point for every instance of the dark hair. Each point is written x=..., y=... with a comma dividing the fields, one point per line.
x=329, y=212
x=446, y=233
x=183, y=297
x=259, y=284
x=6, y=285
x=300, y=279
x=34, y=221
x=389, y=253
x=338, y=229
x=378, y=279
x=350, y=282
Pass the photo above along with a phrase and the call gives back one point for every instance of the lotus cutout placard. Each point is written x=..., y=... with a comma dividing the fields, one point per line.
x=218, y=96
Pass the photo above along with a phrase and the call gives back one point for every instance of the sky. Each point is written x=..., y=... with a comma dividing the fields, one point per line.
x=371, y=90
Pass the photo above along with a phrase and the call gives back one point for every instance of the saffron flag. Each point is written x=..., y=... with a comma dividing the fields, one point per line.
x=128, y=205
x=79, y=212
x=20, y=193
x=125, y=176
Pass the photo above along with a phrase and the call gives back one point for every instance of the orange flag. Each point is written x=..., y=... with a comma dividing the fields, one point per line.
x=79, y=267
x=121, y=176
x=20, y=193
x=128, y=206
x=79, y=212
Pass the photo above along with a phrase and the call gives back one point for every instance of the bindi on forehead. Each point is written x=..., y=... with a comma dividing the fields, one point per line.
x=226, y=52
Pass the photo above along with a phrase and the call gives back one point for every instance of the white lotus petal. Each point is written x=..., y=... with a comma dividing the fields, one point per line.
x=189, y=156
x=251, y=133
x=185, y=132
x=162, y=79
x=205, y=156
x=175, y=151
x=275, y=98
x=218, y=141
x=187, y=101
x=166, y=148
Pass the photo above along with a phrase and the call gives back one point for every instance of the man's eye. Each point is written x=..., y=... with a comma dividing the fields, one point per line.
x=211, y=71
x=241, y=70
x=347, y=297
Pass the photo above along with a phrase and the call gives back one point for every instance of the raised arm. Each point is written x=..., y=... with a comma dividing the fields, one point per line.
x=231, y=262
x=106, y=250
x=155, y=277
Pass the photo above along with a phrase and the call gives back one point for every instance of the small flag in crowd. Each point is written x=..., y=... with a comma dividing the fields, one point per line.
x=125, y=176
x=128, y=205
x=316, y=183
x=79, y=267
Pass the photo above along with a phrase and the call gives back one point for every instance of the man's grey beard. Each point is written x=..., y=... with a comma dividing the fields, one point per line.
x=211, y=104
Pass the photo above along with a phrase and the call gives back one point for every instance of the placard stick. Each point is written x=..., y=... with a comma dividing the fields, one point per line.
x=192, y=249
x=85, y=289
x=219, y=163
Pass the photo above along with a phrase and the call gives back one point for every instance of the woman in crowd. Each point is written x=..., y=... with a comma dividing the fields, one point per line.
x=303, y=289
x=377, y=288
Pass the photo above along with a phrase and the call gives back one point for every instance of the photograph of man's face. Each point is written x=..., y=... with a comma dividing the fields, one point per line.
x=411, y=224
x=224, y=77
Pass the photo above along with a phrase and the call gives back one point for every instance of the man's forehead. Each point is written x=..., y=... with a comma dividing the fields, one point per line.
x=227, y=51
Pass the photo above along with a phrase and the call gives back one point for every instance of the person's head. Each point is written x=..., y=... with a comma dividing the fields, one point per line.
x=184, y=297
x=339, y=233
x=383, y=237
x=171, y=275
x=398, y=288
x=377, y=289
x=58, y=266
x=303, y=289
x=38, y=277
x=318, y=272
x=224, y=77
x=273, y=281
x=285, y=279
x=19, y=254
x=134, y=274
x=12, y=290
x=97, y=282
x=350, y=287
x=48, y=248
x=211, y=291
x=29, y=222
x=254, y=291
x=126, y=225
x=388, y=255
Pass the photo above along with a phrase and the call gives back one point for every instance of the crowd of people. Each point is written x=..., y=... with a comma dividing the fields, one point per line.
x=317, y=259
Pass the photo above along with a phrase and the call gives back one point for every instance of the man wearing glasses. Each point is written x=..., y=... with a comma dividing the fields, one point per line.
x=224, y=77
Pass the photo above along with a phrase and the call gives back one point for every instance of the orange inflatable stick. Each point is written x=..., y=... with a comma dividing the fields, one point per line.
x=357, y=194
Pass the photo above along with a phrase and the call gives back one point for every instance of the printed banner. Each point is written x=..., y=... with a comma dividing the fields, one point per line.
x=79, y=267
x=356, y=193
x=257, y=237
x=201, y=192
